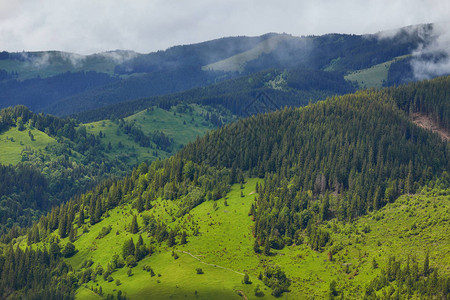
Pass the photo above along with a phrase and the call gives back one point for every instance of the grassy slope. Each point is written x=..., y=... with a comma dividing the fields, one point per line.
x=10, y=151
x=50, y=63
x=410, y=226
x=236, y=62
x=158, y=119
x=374, y=76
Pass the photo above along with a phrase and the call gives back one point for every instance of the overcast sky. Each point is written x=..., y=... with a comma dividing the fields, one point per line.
x=89, y=26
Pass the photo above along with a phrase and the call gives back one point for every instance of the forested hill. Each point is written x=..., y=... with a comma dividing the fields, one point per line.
x=271, y=89
x=361, y=146
x=46, y=160
x=70, y=83
x=321, y=168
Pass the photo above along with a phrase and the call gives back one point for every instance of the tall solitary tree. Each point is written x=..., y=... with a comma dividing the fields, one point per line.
x=134, y=228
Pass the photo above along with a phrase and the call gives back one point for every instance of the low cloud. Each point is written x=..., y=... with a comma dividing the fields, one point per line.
x=119, y=56
x=433, y=59
x=86, y=26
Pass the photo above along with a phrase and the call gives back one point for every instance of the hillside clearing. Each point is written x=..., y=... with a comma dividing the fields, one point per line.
x=426, y=122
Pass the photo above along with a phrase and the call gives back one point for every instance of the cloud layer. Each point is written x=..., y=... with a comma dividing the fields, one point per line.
x=433, y=59
x=86, y=26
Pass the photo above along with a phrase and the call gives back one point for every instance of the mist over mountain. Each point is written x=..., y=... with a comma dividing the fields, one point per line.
x=411, y=53
x=266, y=167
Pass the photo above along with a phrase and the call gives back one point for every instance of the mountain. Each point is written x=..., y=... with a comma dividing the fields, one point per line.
x=271, y=89
x=109, y=78
x=343, y=198
x=46, y=160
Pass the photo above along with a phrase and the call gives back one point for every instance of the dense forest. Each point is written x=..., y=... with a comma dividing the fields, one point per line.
x=95, y=81
x=360, y=147
x=40, y=181
x=269, y=90
x=38, y=93
x=337, y=159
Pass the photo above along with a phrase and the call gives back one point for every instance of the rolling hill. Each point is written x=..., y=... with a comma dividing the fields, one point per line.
x=70, y=83
x=346, y=198
x=55, y=159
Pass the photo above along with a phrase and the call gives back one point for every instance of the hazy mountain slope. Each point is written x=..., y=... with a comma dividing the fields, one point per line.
x=185, y=67
x=328, y=207
x=191, y=56
x=56, y=159
x=39, y=93
x=136, y=86
x=43, y=64
x=270, y=90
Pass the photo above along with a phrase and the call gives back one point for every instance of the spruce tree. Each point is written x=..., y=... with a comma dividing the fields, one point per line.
x=134, y=228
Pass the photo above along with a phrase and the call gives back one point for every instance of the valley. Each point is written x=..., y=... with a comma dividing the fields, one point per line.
x=275, y=166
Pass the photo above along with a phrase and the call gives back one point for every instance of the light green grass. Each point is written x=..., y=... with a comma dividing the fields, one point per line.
x=181, y=127
x=237, y=62
x=178, y=126
x=411, y=226
x=10, y=150
x=373, y=77
x=86, y=294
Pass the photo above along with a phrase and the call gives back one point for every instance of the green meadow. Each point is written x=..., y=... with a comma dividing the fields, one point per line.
x=13, y=142
x=182, y=127
x=372, y=77
x=220, y=242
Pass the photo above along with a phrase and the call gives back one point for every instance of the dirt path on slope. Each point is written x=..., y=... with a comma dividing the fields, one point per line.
x=423, y=121
x=213, y=265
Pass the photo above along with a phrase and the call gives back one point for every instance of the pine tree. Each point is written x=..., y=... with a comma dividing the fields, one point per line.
x=72, y=233
x=81, y=217
x=98, y=211
x=139, y=204
x=183, y=238
x=267, y=248
x=256, y=248
x=134, y=228
x=62, y=228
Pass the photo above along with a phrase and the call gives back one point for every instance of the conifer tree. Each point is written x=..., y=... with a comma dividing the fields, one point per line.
x=134, y=228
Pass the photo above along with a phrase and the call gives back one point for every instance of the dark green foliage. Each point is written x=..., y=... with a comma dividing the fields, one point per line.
x=149, y=269
x=406, y=279
x=360, y=146
x=258, y=292
x=29, y=191
x=236, y=95
x=183, y=238
x=157, y=137
x=199, y=271
x=25, y=190
x=333, y=292
x=35, y=274
x=128, y=248
x=328, y=160
x=134, y=228
x=140, y=250
x=276, y=279
x=246, y=279
x=38, y=93
x=68, y=250
x=130, y=261
x=256, y=248
x=105, y=231
x=428, y=97
x=266, y=250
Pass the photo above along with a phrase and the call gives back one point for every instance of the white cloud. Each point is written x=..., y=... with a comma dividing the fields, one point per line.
x=86, y=26
x=424, y=67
